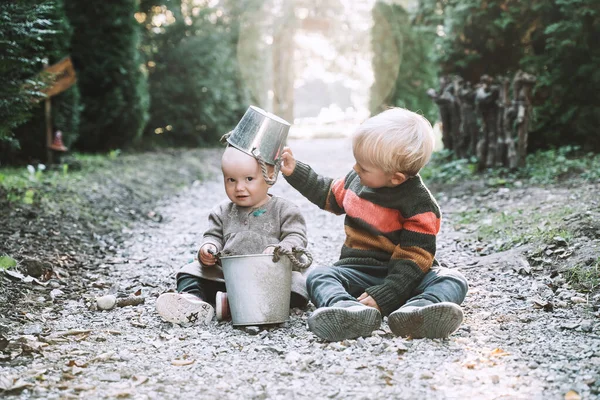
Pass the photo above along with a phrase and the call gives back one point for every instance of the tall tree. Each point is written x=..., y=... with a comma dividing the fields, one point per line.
x=196, y=88
x=66, y=106
x=25, y=28
x=553, y=40
x=402, y=61
x=114, y=89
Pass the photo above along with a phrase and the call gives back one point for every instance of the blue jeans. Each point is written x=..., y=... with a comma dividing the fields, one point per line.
x=328, y=285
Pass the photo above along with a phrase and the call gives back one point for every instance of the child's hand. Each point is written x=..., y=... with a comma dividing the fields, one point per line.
x=368, y=301
x=269, y=250
x=288, y=162
x=207, y=254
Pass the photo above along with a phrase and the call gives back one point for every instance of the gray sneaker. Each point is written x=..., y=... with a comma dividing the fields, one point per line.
x=344, y=320
x=436, y=320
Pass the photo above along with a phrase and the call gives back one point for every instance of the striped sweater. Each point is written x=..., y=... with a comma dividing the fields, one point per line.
x=394, y=227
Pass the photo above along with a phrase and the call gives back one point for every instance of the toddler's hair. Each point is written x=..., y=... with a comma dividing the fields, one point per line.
x=396, y=140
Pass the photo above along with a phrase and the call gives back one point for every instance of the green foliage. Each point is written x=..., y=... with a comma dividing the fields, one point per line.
x=402, y=51
x=445, y=168
x=585, y=277
x=111, y=80
x=566, y=58
x=543, y=167
x=25, y=28
x=7, y=262
x=554, y=40
x=195, y=83
x=65, y=106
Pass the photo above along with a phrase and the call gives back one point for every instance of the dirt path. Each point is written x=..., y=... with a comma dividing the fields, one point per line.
x=510, y=345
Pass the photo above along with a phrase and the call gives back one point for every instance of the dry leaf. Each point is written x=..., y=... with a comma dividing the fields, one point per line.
x=498, y=353
x=180, y=363
x=572, y=395
x=139, y=379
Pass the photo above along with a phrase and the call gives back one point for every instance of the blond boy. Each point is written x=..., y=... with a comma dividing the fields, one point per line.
x=387, y=264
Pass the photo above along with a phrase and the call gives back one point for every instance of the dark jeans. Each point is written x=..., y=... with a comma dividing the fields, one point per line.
x=203, y=288
x=328, y=285
x=207, y=289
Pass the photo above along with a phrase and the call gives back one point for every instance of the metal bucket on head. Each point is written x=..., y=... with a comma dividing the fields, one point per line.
x=260, y=133
x=258, y=289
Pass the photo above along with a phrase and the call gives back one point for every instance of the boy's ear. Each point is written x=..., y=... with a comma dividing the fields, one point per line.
x=397, y=178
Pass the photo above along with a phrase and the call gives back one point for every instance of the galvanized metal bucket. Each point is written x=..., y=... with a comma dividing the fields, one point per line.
x=260, y=133
x=258, y=289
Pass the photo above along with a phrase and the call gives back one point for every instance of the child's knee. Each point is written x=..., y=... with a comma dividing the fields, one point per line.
x=315, y=275
x=453, y=275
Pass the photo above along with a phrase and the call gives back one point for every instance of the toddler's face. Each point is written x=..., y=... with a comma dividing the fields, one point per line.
x=371, y=175
x=244, y=182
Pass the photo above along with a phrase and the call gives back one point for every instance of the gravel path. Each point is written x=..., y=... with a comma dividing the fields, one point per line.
x=510, y=346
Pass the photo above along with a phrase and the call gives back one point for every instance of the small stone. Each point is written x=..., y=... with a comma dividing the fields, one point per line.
x=252, y=330
x=292, y=356
x=495, y=379
x=578, y=300
x=106, y=302
x=426, y=375
x=587, y=326
x=111, y=377
x=533, y=365
x=33, y=329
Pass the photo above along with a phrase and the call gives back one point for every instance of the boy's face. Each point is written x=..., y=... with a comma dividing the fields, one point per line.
x=244, y=182
x=373, y=176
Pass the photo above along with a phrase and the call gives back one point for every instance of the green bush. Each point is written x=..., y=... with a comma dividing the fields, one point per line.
x=65, y=106
x=114, y=90
x=543, y=167
x=195, y=84
x=25, y=29
x=554, y=40
x=416, y=70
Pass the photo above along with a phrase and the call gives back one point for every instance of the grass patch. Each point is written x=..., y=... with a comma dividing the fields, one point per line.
x=584, y=277
x=508, y=229
x=543, y=167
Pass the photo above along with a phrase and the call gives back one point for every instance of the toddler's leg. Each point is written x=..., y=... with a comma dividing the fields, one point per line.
x=187, y=306
x=434, y=310
x=299, y=295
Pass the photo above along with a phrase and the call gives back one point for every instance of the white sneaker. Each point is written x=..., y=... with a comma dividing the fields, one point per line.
x=184, y=308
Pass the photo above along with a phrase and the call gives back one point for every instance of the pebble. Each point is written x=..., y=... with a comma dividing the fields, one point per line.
x=106, y=302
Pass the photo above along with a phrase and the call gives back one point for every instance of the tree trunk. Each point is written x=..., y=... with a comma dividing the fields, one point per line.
x=283, y=64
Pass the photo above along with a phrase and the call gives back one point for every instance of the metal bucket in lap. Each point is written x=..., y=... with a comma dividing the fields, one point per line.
x=258, y=289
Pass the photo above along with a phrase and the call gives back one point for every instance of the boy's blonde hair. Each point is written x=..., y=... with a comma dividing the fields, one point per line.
x=396, y=140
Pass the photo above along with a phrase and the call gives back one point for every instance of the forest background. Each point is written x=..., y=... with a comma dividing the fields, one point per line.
x=175, y=73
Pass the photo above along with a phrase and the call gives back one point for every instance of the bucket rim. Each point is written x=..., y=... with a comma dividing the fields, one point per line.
x=246, y=256
x=270, y=115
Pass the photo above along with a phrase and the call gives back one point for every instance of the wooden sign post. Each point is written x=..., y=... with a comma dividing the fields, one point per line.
x=61, y=77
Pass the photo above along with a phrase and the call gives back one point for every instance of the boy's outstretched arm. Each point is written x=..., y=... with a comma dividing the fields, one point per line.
x=316, y=188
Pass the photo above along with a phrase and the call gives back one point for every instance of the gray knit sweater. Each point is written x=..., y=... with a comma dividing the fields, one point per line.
x=243, y=230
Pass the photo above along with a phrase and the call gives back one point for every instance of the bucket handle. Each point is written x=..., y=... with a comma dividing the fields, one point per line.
x=293, y=256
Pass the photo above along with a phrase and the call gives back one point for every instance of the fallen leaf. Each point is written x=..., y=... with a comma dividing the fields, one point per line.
x=572, y=395
x=7, y=262
x=139, y=379
x=498, y=353
x=180, y=363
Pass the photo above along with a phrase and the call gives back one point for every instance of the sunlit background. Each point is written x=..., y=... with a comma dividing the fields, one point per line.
x=311, y=62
